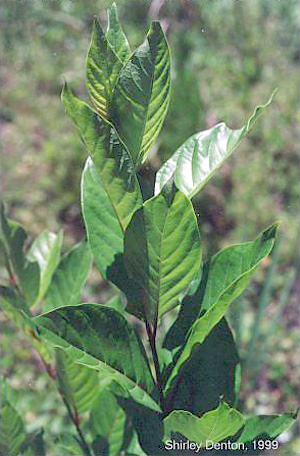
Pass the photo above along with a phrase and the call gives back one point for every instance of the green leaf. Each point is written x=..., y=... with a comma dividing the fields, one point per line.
x=25, y=273
x=196, y=160
x=45, y=250
x=110, y=189
x=69, y=278
x=115, y=35
x=68, y=445
x=270, y=426
x=107, y=419
x=229, y=273
x=215, y=425
x=102, y=71
x=141, y=96
x=78, y=384
x=100, y=338
x=162, y=253
x=12, y=432
x=14, y=306
x=208, y=375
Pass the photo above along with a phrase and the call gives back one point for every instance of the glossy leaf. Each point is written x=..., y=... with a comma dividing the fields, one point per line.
x=208, y=375
x=228, y=276
x=12, y=431
x=215, y=425
x=107, y=419
x=162, y=253
x=99, y=337
x=141, y=96
x=102, y=70
x=78, y=384
x=110, y=190
x=196, y=161
x=45, y=250
x=115, y=35
x=69, y=278
x=265, y=426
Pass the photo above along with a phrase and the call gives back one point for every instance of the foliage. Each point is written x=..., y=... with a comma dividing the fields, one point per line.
x=151, y=250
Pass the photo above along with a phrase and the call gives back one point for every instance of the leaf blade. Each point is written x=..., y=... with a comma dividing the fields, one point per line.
x=166, y=233
x=215, y=425
x=100, y=338
x=141, y=96
x=196, y=160
x=243, y=260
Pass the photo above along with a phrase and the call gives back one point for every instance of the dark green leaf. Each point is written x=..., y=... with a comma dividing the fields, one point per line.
x=162, y=253
x=228, y=276
x=107, y=419
x=99, y=337
x=141, y=96
x=269, y=426
x=69, y=278
x=208, y=375
x=216, y=425
x=102, y=70
x=196, y=161
x=115, y=35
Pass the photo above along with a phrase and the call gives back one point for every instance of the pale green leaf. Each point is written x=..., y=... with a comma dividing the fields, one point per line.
x=102, y=70
x=69, y=278
x=78, y=384
x=215, y=425
x=141, y=96
x=100, y=338
x=162, y=253
x=110, y=189
x=45, y=250
x=270, y=426
x=229, y=273
x=12, y=432
x=196, y=161
x=107, y=419
x=115, y=35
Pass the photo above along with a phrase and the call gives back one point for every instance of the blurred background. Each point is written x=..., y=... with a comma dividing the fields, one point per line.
x=227, y=57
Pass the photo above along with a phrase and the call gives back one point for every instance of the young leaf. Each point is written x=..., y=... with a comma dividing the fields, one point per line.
x=99, y=337
x=269, y=426
x=141, y=96
x=215, y=425
x=115, y=35
x=208, y=375
x=102, y=71
x=110, y=189
x=196, y=161
x=69, y=278
x=107, y=419
x=12, y=431
x=78, y=384
x=228, y=276
x=162, y=253
x=45, y=250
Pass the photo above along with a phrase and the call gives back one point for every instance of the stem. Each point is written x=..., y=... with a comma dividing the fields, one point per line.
x=159, y=382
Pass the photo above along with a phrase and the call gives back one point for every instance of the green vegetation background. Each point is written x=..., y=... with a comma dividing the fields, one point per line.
x=227, y=57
